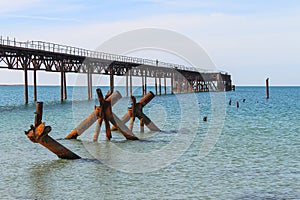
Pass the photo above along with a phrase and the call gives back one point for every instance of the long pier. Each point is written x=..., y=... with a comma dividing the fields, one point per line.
x=50, y=57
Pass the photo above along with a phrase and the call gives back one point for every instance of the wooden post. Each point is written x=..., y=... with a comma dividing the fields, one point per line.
x=267, y=88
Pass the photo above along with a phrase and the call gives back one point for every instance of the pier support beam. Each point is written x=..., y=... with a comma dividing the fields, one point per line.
x=172, y=83
x=25, y=85
x=127, y=83
x=34, y=84
x=165, y=84
x=130, y=82
x=62, y=82
x=65, y=86
x=159, y=84
x=112, y=86
x=145, y=76
x=143, y=83
x=155, y=79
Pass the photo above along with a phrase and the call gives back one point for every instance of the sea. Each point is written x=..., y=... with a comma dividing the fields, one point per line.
x=208, y=147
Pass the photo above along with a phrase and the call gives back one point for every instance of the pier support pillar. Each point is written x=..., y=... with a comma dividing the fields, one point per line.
x=155, y=79
x=111, y=80
x=25, y=85
x=34, y=85
x=145, y=89
x=65, y=86
x=130, y=82
x=127, y=83
x=165, y=84
x=172, y=83
x=143, y=83
x=159, y=85
x=62, y=82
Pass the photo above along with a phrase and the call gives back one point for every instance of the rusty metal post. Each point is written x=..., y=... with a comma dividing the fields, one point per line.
x=25, y=84
x=130, y=82
x=126, y=83
x=112, y=80
x=142, y=126
x=65, y=86
x=155, y=79
x=172, y=83
x=34, y=84
x=98, y=128
x=88, y=82
x=145, y=82
x=165, y=83
x=159, y=84
x=62, y=82
x=39, y=134
x=267, y=88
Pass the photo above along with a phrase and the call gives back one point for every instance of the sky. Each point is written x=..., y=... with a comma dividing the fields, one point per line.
x=251, y=40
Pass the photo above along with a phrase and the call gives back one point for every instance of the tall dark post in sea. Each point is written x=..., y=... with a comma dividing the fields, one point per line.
x=267, y=88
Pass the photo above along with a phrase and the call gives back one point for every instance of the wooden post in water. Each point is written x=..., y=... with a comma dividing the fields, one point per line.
x=267, y=88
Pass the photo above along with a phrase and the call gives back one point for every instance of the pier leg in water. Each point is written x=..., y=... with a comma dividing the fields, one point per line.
x=38, y=133
x=267, y=88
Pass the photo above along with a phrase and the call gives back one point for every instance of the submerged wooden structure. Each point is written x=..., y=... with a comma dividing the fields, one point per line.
x=50, y=57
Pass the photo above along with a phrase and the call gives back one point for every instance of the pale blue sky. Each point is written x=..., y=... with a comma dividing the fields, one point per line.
x=252, y=40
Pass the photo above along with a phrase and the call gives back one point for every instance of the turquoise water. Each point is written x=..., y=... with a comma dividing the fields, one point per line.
x=250, y=152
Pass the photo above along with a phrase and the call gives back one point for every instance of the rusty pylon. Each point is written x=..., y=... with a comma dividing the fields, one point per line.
x=136, y=110
x=38, y=133
x=100, y=114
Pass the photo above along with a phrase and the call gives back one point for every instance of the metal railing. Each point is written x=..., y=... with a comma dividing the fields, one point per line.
x=64, y=49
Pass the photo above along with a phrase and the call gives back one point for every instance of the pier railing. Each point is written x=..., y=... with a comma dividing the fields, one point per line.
x=64, y=49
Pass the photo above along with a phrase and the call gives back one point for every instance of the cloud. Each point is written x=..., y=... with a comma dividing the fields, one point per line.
x=15, y=5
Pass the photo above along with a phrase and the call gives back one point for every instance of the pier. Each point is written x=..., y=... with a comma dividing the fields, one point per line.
x=50, y=57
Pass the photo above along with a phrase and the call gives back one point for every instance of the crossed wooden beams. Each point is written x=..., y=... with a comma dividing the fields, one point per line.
x=104, y=113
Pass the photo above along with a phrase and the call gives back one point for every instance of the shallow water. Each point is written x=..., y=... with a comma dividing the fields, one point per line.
x=250, y=152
